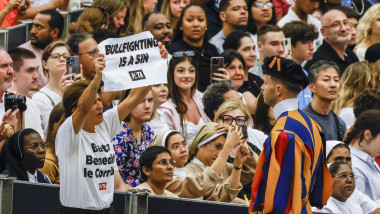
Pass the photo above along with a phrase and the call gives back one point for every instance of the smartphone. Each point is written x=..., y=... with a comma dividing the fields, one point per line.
x=216, y=63
x=346, y=3
x=287, y=47
x=72, y=65
x=244, y=132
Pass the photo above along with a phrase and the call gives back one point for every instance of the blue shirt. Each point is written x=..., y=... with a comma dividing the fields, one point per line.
x=305, y=96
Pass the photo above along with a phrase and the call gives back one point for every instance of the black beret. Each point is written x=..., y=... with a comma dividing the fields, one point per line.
x=373, y=53
x=286, y=70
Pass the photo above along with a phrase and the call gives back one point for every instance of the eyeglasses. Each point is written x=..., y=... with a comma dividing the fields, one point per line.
x=58, y=56
x=345, y=176
x=165, y=163
x=337, y=25
x=260, y=5
x=177, y=147
x=34, y=146
x=218, y=147
x=228, y=119
x=93, y=53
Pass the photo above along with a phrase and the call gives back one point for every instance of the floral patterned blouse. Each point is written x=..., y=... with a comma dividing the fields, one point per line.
x=128, y=152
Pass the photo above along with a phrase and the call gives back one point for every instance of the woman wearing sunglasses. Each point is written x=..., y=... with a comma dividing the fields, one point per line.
x=260, y=13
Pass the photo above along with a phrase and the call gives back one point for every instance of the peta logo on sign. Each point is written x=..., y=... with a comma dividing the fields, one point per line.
x=103, y=186
x=137, y=75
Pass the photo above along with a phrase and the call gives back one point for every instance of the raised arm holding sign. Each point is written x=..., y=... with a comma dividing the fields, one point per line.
x=133, y=62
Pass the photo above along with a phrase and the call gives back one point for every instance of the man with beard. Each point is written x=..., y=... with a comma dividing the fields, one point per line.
x=160, y=27
x=336, y=31
x=234, y=15
x=47, y=28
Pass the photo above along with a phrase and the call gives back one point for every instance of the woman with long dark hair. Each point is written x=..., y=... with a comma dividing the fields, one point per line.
x=190, y=38
x=365, y=136
x=184, y=110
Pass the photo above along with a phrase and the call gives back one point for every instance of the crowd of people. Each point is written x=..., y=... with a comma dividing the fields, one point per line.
x=289, y=123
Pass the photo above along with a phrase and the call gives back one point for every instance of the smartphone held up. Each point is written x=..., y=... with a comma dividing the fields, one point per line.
x=73, y=66
x=216, y=63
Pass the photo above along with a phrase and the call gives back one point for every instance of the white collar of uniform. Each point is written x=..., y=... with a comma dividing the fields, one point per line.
x=362, y=155
x=195, y=160
x=180, y=172
x=32, y=177
x=285, y=105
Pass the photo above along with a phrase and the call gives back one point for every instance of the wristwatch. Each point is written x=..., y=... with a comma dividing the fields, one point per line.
x=237, y=167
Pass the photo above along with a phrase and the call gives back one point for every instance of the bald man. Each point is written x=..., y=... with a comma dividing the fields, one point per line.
x=336, y=32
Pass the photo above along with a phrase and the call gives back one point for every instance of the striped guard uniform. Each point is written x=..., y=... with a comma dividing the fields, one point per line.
x=292, y=170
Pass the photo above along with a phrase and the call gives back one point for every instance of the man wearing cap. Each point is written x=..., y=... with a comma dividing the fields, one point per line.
x=291, y=175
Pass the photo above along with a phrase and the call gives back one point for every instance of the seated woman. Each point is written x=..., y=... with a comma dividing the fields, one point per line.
x=131, y=142
x=235, y=113
x=92, y=18
x=51, y=168
x=190, y=38
x=357, y=78
x=366, y=146
x=184, y=110
x=208, y=145
x=26, y=154
x=160, y=95
x=156, y=165
x=54, y=64
x=343, y=187
x=207, y=184
x=337, y=151
x=173, y=9
x=264, y=118
x=235, y=67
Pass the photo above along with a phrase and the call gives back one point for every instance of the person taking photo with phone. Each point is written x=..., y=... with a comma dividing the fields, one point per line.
x=54, y=64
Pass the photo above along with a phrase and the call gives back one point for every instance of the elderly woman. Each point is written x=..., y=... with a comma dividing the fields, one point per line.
x=208, y=145
x=157, y=170
x=26, y=154
x=235, y=113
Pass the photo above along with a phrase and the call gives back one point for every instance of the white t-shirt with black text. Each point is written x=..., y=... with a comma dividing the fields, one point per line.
x=87, y=163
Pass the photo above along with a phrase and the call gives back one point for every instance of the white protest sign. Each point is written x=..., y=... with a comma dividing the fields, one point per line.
x=132, y=62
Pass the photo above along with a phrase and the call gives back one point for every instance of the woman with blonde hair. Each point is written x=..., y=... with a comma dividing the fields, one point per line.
x=356, y=79
x=173, y=9
x=368, y=31
x=236, y=113
x=117, y=10
x=92, y=18
x=137, y=10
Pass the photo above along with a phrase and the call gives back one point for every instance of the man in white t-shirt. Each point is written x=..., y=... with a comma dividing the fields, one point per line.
x=302, y=12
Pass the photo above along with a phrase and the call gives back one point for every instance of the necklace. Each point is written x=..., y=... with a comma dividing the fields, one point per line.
x=200, y=53
x=360, y=13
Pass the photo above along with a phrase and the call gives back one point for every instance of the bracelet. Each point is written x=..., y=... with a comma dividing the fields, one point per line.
x=237, y=167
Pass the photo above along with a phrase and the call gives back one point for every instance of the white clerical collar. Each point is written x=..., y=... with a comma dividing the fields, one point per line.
x=195, y=160
x=285, y=105
x=32, y=177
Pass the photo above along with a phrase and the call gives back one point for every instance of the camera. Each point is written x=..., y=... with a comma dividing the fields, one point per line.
x=14, y=101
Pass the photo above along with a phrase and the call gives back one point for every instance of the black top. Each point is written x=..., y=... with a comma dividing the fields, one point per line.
x=326, y=52
x=252, y=85
x=214, y=24
x=180, y=47
x=17, y=170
